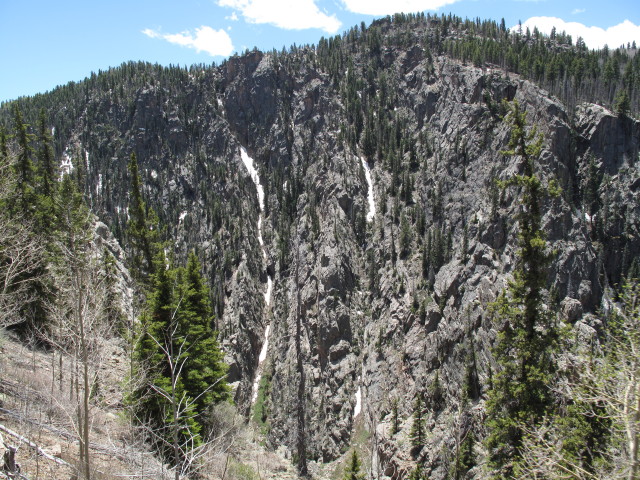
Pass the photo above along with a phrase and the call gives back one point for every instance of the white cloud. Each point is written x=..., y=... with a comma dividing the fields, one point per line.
x=385, y=7
x=576, y=11
x=206, y=39
x=594, y=37
x=151, y=33
x=287, y=14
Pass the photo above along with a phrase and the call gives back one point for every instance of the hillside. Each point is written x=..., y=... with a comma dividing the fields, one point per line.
x=384, y=233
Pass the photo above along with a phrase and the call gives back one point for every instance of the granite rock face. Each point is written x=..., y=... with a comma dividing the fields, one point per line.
x=385, y=306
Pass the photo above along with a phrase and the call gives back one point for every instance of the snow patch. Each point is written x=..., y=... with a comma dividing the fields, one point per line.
x=267, y=294
x=261, y=358
x=358, y=408
x=66, y=167
x=154, y=174
x=265, y=345
x=99, y=186
x=253, y=172
x=372, y=203
x=182, y=216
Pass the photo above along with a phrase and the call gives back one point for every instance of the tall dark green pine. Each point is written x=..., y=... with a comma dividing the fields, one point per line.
x=176, y=328
x=352, y=470
x=142, y=228
x=25, y=171
x=204, y=369
x=46, y=173
x=154, y=321
x=520, y=395
x=22, y=207
x=417, y=432
x=73, y=217
x=4, y=149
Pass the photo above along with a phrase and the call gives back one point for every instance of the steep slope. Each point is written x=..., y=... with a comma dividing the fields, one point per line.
x=374, y=296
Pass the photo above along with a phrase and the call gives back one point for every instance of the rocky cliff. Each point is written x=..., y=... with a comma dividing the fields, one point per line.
x=386, y=234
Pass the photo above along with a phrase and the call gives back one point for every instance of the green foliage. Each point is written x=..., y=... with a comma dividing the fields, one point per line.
x=597, y=433
x=417, y=434
x=178, y=353
x=241, y=471
x=435, y=394
x=24, y=168
x=520, y=394
x=417, y=473
x=261, y=407
x=46, y=180
x=591, y=186
x=352, y=470
x=142, y=228
x=32, y=212
x=622, y=103
x=395, y=424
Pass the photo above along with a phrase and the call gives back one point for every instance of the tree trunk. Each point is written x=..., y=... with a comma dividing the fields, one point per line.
x=10, y=466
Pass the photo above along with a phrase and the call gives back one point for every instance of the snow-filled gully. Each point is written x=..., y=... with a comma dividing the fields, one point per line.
x=370, y=215
x=253, y=172
x=372, y=203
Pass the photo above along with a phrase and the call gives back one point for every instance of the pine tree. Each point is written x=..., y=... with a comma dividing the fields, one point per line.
x=417, y=433
x=352, y=470
x=46, y=179
x=520, y=395
x=205, y=369
x=180, y=360
x=142, y=228
x=25, y=171
x=395, y=424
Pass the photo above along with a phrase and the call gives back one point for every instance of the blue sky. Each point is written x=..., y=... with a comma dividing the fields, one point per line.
x=48, y=43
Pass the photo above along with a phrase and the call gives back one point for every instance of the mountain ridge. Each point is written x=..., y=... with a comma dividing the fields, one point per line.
x=385, y=306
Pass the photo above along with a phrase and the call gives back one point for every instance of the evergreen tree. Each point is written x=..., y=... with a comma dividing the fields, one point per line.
x=46, y=162
x=179, y=357
x=622, y=103
x=417, y=473
x=4, y=149
x=395, y=424
x=352, y=470
x=46, y=179
x=142, y=228
x=520, y=395
x=417, y=432
x=204, y=368
x=24, y=168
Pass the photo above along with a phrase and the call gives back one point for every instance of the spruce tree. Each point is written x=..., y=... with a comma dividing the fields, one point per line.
x=180, y=359
x=46, y=162
x=352, y=470
x=520, y=395
x=417, y=433
x=204, y=369
x=142, y=227
x=24, y=169
x=46, y=179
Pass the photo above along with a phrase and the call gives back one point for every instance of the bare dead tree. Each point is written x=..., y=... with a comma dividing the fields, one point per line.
x=80, y=327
